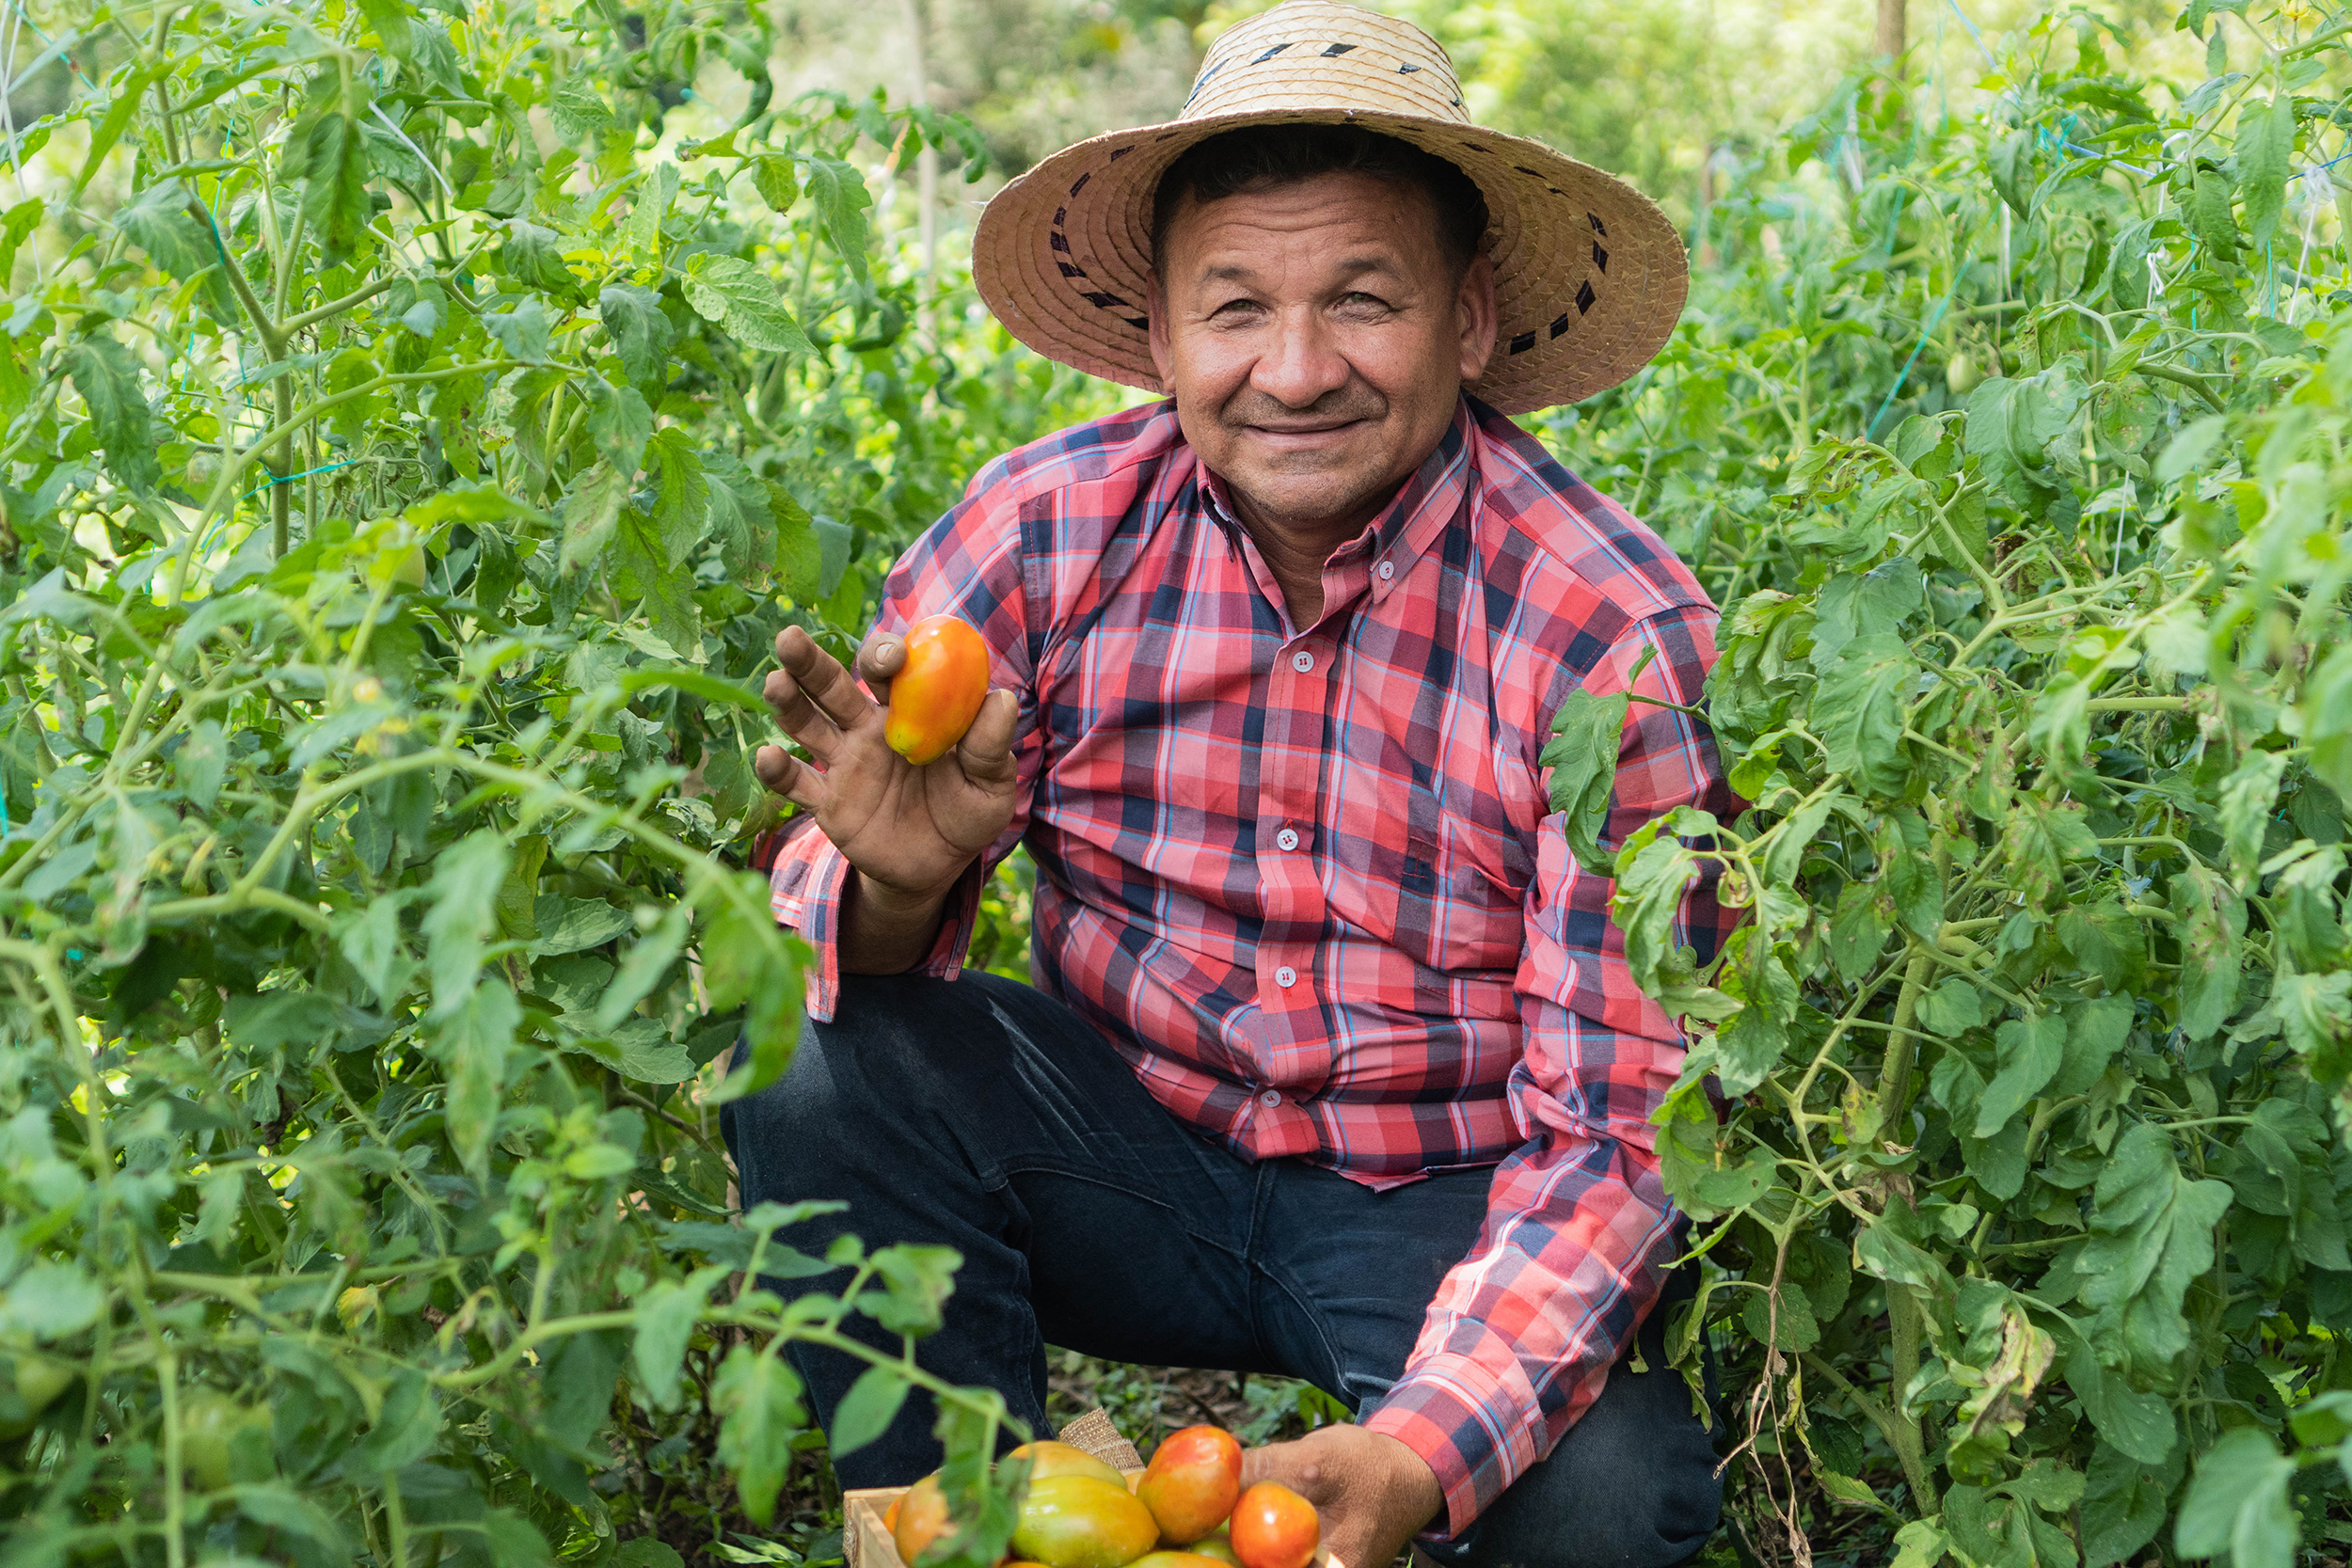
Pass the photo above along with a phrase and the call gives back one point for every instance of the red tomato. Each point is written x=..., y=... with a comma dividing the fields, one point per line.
x=1275, y=1527
x=938, y=691
x=1192, y=1483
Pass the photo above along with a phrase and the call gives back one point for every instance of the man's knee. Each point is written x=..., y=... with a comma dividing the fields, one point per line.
x=1632, y=1485
x=860, y=1083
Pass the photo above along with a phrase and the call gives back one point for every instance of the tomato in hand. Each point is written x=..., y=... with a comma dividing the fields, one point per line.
x=1192, y=1483
x=1275, y=1527
x=937, y=692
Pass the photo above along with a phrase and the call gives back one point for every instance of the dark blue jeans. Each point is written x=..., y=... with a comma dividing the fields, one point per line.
x=983, y=1115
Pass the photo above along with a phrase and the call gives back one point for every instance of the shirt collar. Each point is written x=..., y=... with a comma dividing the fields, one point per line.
x=1424, y=504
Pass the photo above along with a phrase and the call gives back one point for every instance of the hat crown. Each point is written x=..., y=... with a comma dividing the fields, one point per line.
x=1317, y=55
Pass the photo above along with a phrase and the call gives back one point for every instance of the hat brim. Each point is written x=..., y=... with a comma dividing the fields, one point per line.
x=1590, y=277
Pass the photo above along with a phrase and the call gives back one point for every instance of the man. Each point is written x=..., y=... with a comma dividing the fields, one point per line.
x=1332, y=1066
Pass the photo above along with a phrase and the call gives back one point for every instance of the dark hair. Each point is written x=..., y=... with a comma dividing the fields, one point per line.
x=1264, y=157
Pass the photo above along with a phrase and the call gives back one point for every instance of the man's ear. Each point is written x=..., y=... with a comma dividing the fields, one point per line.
x=1155, y=311
x=1475, y=306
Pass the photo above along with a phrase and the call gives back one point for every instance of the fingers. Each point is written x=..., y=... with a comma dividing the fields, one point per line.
x=985, y=751
x=821, y=679
x=789, y=777
x=879, y=659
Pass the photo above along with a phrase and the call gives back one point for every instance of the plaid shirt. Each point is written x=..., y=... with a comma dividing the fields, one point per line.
x=1306, y=880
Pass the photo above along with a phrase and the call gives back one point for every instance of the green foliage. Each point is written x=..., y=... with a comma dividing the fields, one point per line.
x=411, y=455
x=2026, y=1181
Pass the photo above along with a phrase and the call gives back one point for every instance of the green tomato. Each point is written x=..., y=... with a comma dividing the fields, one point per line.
x=38, y=1381
x=208, y=1425
x=1960, y=374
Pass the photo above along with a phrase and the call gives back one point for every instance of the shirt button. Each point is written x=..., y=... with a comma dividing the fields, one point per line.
x=1287, y=839
x=1269, y=1099
x=1286, y=976
x=1388, y=570
x=1302, y=661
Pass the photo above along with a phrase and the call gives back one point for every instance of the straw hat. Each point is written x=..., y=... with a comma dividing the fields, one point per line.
x=1589, y=274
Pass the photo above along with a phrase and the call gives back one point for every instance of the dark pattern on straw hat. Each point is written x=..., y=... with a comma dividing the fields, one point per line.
x=1589, y=275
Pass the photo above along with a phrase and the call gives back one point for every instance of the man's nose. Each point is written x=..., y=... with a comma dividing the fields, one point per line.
x=1302, y=364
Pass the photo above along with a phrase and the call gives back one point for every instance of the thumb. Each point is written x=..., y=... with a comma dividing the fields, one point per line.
x=985, y=751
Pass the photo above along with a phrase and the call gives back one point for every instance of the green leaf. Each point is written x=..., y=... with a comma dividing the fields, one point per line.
x=776, y=182
x=2210, y=216
x=50, y=1300
x=759, y=1400
x=620, y=424
x=647, y=960
x=474, y=1045
x=667, y=1316
x=2247, y=797
x=641, y=334
x=1866, y=604
x=389, y=18
x=2122, y=1505
x=107, y=379
x=574, y=925
x=590, y=511
x=2152, y=1235
x=1588, y=732
x=800, y=558
x=2266, y=145
x=841, y=197
x=736, y=295
x=2213, y=918
x=522, y=333
x=576, y=108
x=917, y=1281
x=2030, y=1051
x=1857, y=710
x=463, y=915
x=157, y=221
x=328, y=153
x=534, y=257
x=2237, y=1503
x=867, y=1409
x=654, y=196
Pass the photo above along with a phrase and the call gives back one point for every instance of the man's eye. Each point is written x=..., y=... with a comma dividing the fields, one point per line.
x=1358, y=302
x=1235, y=308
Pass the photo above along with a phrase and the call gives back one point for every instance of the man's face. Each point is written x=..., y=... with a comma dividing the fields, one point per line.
x=1317, y=340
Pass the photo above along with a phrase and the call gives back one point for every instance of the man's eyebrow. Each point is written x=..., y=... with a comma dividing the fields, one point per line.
x=1354, y=266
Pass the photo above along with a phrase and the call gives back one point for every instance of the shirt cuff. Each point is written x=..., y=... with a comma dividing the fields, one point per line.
x=1466, y=1425
x=805, y=888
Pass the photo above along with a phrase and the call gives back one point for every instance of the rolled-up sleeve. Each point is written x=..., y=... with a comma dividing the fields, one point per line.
x=1578, y=1231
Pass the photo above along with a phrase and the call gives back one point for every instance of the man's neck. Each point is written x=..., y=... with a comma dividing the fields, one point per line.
x=1295, y=549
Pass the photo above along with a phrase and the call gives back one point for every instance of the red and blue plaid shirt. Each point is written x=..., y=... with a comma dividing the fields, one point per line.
x=1307, y=880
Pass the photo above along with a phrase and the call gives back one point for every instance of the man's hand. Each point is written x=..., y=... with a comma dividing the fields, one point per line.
x=1373, y=1493
x=909, y=831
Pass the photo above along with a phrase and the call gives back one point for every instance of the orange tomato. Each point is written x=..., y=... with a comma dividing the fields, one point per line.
x=938, y=691
x=921, y=1518
x=1275, y=1527
x=1192, y=1483
x=890, y=1515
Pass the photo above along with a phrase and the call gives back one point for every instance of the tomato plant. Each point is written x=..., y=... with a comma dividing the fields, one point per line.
x=2016, y=460
x=419, y=421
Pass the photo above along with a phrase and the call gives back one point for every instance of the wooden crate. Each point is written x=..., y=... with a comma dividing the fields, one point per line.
x=866, y=1544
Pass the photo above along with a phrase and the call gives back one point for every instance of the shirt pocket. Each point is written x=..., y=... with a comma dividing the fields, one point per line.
x=1460, y=896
